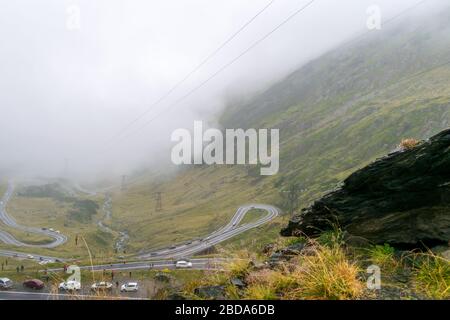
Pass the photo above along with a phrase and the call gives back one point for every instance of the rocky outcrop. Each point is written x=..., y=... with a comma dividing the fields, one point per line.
x=401, y=199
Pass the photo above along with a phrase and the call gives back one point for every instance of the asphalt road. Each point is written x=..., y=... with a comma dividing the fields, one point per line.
x=163, y=258
x=232, y=229
x=7, y=238
x=156, y=260
x=197, y=264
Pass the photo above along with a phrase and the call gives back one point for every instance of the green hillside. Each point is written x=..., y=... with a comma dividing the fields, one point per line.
x=335, y=115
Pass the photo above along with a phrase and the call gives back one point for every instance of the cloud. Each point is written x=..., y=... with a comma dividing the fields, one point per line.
x=65, y=92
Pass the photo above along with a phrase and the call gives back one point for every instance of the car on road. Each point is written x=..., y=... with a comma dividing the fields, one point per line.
x=102, y=286
x=173, y=247
x=51, y=229
x=29, y=256
x=5, y=283
x=34, y=284
x=71, y=285
x=129, y=287
x=182, y=264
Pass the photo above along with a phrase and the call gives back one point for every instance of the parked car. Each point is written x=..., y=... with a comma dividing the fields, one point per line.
x=44, y=262
x=71, y=285
x=183, y=264
x=29, y=256
x=5, y=283
x=129, y=287
x=101, y=286
x=34, y=284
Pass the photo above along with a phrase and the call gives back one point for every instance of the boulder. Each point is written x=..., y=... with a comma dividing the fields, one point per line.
x=401, y=199
x=211, y=292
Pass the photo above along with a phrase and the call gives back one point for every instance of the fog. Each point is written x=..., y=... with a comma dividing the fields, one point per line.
x=69, y=88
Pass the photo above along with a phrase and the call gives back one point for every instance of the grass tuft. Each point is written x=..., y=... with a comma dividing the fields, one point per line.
x=432, y=275
x=327, y=274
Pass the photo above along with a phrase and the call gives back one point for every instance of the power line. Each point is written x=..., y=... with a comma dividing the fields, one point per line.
x=201, y=64
x=284, y=22
x=256, y=43
x=388, y=21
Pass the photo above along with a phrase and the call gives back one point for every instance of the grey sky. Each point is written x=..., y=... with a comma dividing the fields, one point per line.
x=64, y=93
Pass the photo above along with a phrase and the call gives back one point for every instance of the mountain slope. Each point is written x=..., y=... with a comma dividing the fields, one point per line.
x=353, y=104
x=335, y=115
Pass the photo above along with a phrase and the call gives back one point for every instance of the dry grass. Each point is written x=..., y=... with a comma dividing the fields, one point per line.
x=326, y=273
x=407, y=144
x=432, y=275
x=240, y=264
x=322, y=272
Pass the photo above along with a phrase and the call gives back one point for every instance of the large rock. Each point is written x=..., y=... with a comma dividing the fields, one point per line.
x=402, y=199
x=211, y=292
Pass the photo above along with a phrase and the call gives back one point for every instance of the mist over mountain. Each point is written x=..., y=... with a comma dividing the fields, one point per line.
x=68, y=95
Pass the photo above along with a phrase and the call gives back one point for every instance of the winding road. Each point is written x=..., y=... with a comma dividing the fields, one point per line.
x=7, y=238
x=232, y=229
x=185, y=250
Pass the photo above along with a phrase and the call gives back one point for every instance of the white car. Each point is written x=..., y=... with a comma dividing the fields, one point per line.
x=129, y=287
x=101, y=286
x=29, y=256
x=70, y=285
x=183, y=264
x=5, y=283
x=51, y=229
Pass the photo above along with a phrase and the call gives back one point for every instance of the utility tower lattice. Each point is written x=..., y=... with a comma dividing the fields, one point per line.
x=158, y=201
x=123, y=185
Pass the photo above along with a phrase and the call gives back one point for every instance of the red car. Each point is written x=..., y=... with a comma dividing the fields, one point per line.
x=34, y=284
